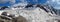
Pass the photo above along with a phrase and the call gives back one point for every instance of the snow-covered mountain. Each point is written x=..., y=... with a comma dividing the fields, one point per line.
x=45, y=13
x=34, y=12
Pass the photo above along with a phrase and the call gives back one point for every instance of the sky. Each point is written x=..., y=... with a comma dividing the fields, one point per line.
x=54, y=3
x=7, y=3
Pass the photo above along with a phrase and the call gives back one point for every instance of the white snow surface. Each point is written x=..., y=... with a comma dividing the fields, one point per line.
x=36, y=15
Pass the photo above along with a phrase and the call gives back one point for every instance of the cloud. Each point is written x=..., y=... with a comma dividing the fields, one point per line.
x=54, y=3
x=5, y=1
x=12, y=1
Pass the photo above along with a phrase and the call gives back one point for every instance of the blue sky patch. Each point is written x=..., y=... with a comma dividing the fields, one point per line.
x=31, y=1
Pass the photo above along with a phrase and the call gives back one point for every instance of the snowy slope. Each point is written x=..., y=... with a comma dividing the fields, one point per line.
x=42, y=13
x=37, y=15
